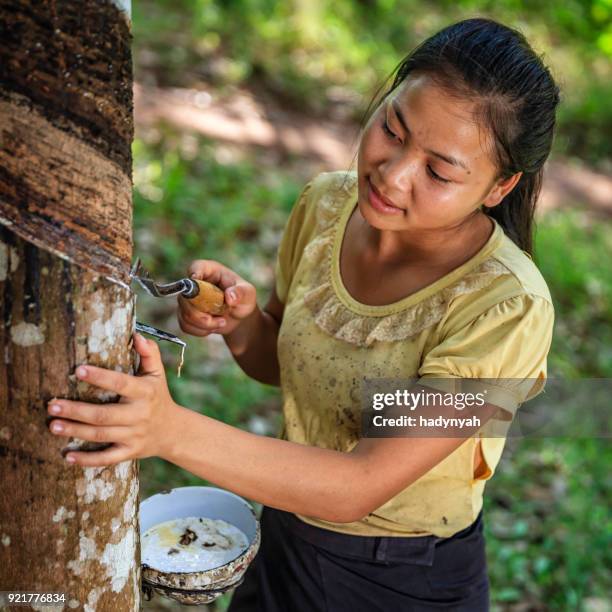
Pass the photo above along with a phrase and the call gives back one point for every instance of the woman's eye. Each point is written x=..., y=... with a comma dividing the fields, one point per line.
x=436, y=177
x=385, y=127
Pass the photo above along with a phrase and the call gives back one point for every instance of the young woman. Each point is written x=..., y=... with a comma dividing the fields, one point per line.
x=416, y=266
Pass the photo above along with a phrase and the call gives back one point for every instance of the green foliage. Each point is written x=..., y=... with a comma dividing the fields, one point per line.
x=193, y=207
x=317, y=53
x=547, y=522
x=573, y=254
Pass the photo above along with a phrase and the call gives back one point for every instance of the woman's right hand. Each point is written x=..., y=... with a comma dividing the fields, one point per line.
x=240, y=297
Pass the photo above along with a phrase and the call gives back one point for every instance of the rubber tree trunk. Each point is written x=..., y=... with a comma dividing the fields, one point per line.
x=65, y=248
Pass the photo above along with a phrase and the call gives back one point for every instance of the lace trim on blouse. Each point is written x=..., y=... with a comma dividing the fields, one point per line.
x=335, y=318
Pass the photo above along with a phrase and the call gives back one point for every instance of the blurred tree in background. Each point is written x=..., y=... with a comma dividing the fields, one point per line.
x=235, y=101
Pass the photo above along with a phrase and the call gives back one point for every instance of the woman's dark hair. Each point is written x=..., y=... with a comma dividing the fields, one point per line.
x=515, y=96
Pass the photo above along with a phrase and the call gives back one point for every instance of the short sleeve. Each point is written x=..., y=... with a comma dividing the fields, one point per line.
x=291, y=245
x=507, y=345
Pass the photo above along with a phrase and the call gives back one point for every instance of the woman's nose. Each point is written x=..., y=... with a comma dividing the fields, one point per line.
x=398, y=173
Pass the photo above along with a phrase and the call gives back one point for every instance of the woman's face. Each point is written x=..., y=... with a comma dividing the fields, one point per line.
x=423, y=152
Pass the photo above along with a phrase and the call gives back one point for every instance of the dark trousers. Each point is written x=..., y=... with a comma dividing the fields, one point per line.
x=303, y=568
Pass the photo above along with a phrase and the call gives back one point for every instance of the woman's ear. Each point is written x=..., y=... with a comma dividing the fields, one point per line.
x=501, y=189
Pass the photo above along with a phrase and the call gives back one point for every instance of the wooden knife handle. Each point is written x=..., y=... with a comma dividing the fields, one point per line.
x=210, y=299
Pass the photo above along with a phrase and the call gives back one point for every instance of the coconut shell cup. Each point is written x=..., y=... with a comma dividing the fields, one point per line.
x=198, y=587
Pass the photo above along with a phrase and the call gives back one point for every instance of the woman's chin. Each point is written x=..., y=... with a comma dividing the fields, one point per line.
x=375, y=219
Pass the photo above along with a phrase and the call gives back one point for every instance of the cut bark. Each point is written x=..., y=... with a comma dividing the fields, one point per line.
x=65, y=250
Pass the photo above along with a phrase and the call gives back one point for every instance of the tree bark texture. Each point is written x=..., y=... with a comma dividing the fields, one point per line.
x=66, y=130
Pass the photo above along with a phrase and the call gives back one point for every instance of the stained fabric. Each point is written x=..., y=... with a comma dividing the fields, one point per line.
x=490, y=318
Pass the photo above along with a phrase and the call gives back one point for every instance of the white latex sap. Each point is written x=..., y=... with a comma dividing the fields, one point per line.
x=192, y=544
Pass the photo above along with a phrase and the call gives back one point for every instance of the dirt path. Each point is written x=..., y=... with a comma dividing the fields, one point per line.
x=244, y=121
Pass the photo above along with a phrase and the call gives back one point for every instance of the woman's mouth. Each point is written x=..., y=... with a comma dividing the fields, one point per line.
x=379, y=204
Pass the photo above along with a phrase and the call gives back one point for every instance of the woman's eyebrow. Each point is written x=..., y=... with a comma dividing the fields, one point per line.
x=447, y=158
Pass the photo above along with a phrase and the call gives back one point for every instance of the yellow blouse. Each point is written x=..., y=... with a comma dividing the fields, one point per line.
x=491, y=318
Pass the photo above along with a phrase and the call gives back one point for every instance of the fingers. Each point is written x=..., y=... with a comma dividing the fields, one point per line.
x=242, y=292
x=192, y=321
x=150, y=356
x=196, y=317
x=109, y=456
x=123, y=384
x=94, y=414
x=197, y=330
x=71, y=429
x=213, y=272
x=241, y=298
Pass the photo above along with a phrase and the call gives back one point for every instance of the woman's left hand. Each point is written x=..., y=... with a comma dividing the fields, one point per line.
x=139, y=425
